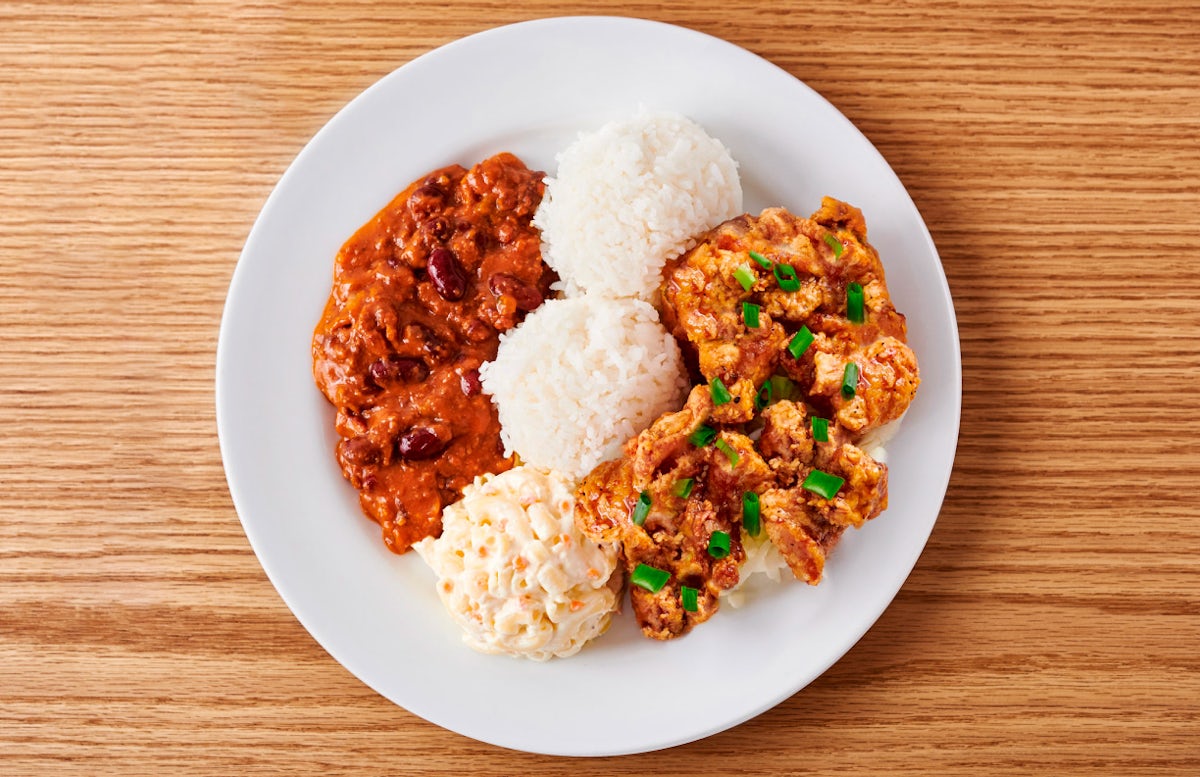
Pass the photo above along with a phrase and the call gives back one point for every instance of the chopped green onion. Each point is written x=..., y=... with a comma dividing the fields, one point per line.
x=730, y=453
x=763, y=398
x=761, y=260
x=744, y=276
x=785, y=274
x=776, y=389
x=855, y=307
x=683, y=488
x=750, y=513
x=835, y=244
x=820, y=429
x=690, y=598
x=643, y=508
x=720, y=394
x=718, y=544
x=750, y=314
x=650, y=578
x=850, y=380
x=784, y=388
x=800, y=342
x=822, y=483
x=702, y=436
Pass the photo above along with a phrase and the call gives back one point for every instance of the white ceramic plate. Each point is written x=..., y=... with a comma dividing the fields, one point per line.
x=530, y=88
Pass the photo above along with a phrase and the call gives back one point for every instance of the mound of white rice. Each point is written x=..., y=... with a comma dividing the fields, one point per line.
x=630, y=196
x=581, y=376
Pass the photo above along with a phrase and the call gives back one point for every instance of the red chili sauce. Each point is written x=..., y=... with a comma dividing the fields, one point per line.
x=420, y=295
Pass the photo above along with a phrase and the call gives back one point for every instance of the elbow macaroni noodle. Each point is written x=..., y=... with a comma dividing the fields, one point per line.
x=515, y=573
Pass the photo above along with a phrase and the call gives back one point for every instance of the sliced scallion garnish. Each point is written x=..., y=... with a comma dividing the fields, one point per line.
x=750, y=314
x=729, y=452
x=762, y=400
x=822, y=483
x=835, y=244
x=760, y=260
x=720, y=394
x=690, y=597
x=784, y=387
x=800, y=342
x=785, y=275
x=702, y=436
x=643, y=508
x=718, y=544
x=850, y=380
x=650, y=578
x=855, y=306
x=750, y=513
x=683, y=488
x=820, y=429
x=745, y=276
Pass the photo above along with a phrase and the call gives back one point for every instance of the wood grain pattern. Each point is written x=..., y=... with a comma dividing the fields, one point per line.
x=1051, y=626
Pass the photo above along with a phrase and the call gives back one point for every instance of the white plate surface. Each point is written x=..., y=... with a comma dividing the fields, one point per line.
x=529, y=89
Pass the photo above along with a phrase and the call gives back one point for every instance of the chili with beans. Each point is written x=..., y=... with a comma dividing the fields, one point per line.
x=420, y=295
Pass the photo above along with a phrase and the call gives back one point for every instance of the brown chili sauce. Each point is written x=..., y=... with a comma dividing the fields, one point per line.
x=420, y=295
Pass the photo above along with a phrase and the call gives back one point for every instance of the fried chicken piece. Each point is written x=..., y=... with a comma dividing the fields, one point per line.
x=702, y=308
x=667, y=438
x=887, y=382
x=703, y=300
x=675, y=533
x=804, y=543
x=863, y=496
x=804, y=525
x=605, y=500
x=679, y=544
x=786, y=441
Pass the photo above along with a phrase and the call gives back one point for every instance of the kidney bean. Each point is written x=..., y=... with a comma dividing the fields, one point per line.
x=360, y=451
x=447, y=274
x=470, y=383
x=393, y=368
x=526, y=296
x=419, y=442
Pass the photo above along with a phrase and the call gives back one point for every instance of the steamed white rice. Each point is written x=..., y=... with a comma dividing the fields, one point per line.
x=629, y=196
x=762, y=559
x=581, y=376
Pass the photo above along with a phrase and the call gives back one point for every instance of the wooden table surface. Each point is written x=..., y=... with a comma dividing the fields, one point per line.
x=1052, y=625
